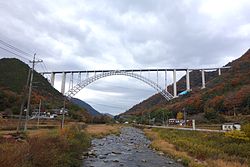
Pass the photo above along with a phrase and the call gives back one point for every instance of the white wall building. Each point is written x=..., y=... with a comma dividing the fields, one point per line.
x=231, y=126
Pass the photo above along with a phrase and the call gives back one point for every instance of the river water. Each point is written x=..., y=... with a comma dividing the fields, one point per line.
x=129, y=149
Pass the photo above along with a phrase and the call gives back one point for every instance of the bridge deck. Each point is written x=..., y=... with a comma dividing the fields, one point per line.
x=134, y=70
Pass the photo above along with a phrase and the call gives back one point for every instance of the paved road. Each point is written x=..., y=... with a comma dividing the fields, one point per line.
x=130, y=149
x=190, y=129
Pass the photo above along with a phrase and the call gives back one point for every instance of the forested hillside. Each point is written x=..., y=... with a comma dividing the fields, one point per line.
x=86, y=106
x=13, y=78
x=228, y=94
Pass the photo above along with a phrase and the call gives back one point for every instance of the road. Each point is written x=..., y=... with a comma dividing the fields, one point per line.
x=190, y=129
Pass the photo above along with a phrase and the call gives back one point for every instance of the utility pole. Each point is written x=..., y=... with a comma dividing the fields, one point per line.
x=185, y=116
x=163, y=118
x=39, y=111
x=62, y=124
x=30, y=90
x=23, y=102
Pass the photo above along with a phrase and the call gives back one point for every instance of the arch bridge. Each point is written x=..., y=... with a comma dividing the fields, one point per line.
x=85, y=78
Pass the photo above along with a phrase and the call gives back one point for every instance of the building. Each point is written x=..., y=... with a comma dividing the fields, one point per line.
x=231, y=126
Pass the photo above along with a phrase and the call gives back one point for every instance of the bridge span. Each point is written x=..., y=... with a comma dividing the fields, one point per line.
x=86, y=77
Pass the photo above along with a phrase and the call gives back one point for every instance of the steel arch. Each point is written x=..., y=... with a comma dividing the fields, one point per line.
x=77, y=88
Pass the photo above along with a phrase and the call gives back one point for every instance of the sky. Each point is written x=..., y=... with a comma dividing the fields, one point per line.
x=125, y=34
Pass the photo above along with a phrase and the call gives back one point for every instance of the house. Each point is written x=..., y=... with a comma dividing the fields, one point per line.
x=173, y=121
x=231, y=126
x=65, y=111
x=180, y=122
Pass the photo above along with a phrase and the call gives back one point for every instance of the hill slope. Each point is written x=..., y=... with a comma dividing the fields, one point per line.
x=13, y=78
x=226, y=94
x=86, y=106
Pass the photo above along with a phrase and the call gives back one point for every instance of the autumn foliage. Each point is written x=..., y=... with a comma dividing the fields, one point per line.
x=227, y=94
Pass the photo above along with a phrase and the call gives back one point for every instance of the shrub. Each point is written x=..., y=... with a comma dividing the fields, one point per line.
x=236, y=134
x=246, y=129
x=51, y=150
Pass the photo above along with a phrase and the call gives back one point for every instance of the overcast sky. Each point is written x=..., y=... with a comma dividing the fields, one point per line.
x=123, y=34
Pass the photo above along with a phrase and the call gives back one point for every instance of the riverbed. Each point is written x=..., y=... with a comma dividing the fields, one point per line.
x=129, y=149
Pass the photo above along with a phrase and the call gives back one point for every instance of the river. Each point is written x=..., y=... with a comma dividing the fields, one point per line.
x=129, y=149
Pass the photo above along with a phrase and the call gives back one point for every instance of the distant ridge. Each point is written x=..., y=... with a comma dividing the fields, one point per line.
x=86, y=106
x=109, y=115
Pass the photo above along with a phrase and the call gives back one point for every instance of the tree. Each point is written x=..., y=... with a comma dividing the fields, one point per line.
x=179, y=115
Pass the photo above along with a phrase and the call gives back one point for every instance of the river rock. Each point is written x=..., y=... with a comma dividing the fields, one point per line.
x=130, y=148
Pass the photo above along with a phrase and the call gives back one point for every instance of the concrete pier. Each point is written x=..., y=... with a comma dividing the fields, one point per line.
x=174, y=83
x=219, y=71
x=52, y=79
x=187, y=80
x=63, y=82
x=203, y=79
x=166, y=80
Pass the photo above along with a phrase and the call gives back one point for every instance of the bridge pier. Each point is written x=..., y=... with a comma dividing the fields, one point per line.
x=71, y=82
x=63, y=82
x=79, y=77
x=187, y=80
x=174, y=83
x=203, y=79
x=52, y=79
x=166, y=81
x=219, y=71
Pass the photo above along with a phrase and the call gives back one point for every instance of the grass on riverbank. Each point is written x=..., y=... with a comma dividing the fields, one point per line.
x=101, y=130
x=201, y=148
x=57, y=148
x=51, y=147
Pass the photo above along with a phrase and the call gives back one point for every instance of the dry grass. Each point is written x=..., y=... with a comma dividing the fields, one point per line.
x=169, y=149
x=101, y=130
x=38, y=132
x=222, y=163
x=163, y=145
x=51, y=148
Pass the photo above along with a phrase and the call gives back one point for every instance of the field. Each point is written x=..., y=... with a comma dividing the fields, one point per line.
x=101, y=130
x=11, y=124
x=194, y=148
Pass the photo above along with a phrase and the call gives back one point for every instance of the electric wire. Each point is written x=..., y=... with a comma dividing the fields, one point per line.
x=110, y=106
x=42, y=67
x=14, y=48
x=14, y=53
x=45, y=66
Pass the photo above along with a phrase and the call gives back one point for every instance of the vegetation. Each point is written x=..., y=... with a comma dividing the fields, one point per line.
x=13, y=78
x=225, y=95
x=210, y=149
x=54, y=148
x=99, y=131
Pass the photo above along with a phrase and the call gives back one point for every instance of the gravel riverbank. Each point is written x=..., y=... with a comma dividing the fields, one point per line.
x=130, y=149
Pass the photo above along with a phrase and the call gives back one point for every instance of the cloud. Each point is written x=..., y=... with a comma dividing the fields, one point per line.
x=112, y=34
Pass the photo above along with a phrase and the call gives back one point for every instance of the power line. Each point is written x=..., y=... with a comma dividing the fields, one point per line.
x=116, y=107
x=14, y=48
x=14, y=53
x=42, y=67
x=45, y=66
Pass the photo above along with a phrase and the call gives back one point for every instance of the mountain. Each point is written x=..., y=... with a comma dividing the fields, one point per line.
x=13, y=79
x=226, y=94
x=86, y=106
x=109, y=115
